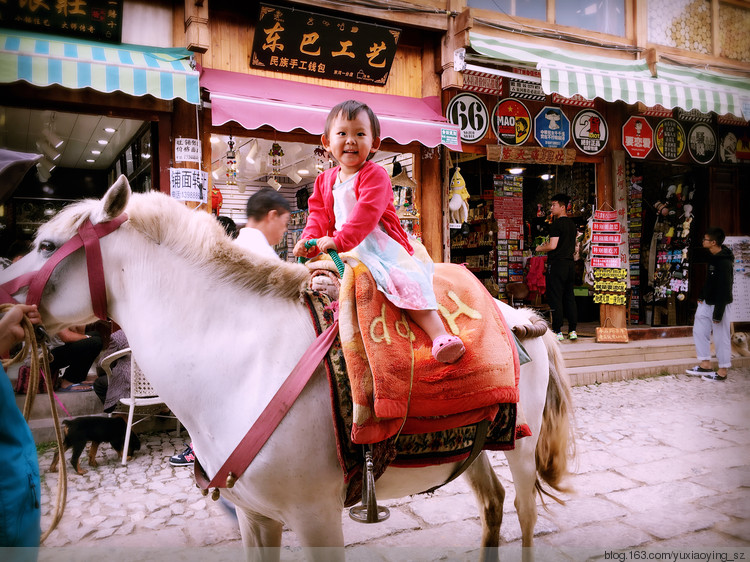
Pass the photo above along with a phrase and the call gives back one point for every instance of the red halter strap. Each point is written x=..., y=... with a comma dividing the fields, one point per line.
x=88, y=236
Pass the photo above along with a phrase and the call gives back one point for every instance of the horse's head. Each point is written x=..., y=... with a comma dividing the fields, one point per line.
x=65, y=297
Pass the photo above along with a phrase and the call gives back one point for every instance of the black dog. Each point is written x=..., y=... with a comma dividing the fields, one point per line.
x=96, y=429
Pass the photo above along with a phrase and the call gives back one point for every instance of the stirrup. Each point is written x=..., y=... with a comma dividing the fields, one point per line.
x=369, y=511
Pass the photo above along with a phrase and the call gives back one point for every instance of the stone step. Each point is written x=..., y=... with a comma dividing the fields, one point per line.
x=586, y=352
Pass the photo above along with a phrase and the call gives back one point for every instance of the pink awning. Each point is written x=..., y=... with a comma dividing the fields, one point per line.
x=254, y=101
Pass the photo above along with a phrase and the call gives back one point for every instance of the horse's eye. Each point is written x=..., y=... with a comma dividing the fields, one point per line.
x=47, y=246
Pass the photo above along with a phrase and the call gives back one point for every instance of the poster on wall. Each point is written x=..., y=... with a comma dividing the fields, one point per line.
x=469, y=113
x=186, y=184
x=669, y=138
x=511, y=122
x=740, y=246
x=590, y=132
x=702, y=143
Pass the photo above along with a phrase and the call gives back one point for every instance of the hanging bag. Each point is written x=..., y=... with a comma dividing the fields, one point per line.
x=610, y=334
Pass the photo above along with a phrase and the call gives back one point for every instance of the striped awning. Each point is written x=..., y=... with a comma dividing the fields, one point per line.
x=569, y=73
x=44, y=60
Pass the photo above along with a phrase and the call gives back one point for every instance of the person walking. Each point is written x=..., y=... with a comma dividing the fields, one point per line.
x=714, y=307
x=560, y=267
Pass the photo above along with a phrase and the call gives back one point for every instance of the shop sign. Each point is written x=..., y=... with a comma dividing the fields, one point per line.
x=605, y=227
x=590, y=133
x=605, y=215
x=469, y=113
x=669, y=138
x=702, y=143
x=525, y=90
x=636, y=137
x=693, y=115
x=482, y=82
x=100, y=21
x=531, y=155
x=551, y=127
x=599, y=238
x=294, y=41
x=187, y=150
x=511, y=122
x=605, y=251
x=186, y=184
x=605, y=262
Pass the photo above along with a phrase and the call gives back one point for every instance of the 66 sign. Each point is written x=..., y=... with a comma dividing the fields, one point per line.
x=470, y=114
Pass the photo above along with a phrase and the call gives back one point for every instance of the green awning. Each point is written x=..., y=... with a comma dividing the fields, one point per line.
x=43, y=60
x=570, y=72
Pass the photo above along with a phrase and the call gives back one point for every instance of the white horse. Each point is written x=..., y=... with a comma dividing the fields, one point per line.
x=217, y=329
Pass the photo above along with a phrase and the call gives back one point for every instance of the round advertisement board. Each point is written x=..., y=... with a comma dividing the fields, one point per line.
x=669, y=138
x=511, y=122
x=469, y=113
x=702, y=143
x=590, y=132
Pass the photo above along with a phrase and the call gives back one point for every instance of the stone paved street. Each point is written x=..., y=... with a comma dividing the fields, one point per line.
x=662, y=464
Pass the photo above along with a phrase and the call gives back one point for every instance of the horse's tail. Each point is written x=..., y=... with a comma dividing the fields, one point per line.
x=556, y=442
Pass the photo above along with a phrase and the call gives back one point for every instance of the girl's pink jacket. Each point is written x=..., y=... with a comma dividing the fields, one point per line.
x=374, y=194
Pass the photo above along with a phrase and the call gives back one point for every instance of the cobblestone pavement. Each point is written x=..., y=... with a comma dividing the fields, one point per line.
x=662, y=464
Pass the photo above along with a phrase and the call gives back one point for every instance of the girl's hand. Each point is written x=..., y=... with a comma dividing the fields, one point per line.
x=326, y=243
x=301, y=252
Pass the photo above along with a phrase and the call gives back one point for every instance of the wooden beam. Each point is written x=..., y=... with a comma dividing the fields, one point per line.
x=197, y=33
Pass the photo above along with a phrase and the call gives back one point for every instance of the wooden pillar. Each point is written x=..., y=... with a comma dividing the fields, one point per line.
x=431, y=212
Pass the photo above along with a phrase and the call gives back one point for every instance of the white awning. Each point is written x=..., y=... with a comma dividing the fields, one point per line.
x=570, y=72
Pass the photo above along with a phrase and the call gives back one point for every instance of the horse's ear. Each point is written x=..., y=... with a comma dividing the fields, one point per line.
x=116, y=199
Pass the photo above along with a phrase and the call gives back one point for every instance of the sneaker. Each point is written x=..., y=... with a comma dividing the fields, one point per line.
x=572, y=335
x=699, y=371
x=560, y=336
x=713, y=377
x=185, y=458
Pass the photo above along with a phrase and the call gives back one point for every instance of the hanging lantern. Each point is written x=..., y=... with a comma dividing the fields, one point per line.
x=275, y=155
x=216, y=200
x=231, y=163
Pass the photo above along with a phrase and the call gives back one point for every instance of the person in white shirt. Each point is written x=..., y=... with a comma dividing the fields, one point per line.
x=268, y=214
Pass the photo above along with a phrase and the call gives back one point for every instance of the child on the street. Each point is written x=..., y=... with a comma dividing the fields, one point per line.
x=351, y=210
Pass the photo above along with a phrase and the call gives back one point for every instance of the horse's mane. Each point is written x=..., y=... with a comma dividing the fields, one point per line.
x=198, y=238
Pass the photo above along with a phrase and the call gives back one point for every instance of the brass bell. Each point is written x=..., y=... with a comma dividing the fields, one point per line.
x=204, y=492
x=231, y=480
x=216, y=494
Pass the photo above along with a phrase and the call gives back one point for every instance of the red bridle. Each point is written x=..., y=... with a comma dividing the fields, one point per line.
x=88, y=236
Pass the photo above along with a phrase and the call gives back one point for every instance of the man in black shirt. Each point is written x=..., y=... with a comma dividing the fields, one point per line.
x=712, y=315
x=560, y=268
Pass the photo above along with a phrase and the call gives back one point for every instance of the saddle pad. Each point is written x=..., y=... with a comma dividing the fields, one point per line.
x=422, y=449
x=378, y=338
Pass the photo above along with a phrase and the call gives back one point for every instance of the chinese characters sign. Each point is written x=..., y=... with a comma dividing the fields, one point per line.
x=511, y=122
x=186, y=184
x=531, y=155
x=90, y=19
x=187, y=150
x=551, y=128
x=670, y=139
x=590, y=132
x=636, y=137
x=308, y=44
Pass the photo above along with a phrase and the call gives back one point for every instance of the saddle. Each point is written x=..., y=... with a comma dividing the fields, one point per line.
x=452, y=437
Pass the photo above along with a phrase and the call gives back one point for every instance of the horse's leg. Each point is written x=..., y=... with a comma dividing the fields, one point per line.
x=490, y=496
x=261, y=536
x=320, y=530
x=522, y=466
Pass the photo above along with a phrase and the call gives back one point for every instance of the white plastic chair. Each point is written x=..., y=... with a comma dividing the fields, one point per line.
x=142, y=394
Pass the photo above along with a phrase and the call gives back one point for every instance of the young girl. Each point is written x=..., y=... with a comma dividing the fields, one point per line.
x=351, y=210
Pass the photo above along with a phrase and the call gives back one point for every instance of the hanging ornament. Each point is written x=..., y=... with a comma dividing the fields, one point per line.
x=321, y=158
x=275, y=154
x=231, y=163
x=216, y=200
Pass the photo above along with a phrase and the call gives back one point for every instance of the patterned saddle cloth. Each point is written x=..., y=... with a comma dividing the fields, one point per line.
x=405, y=450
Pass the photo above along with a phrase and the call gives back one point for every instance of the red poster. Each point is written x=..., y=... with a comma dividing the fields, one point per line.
x=605, y=262
x=598, y=238
x=605, y=250
x=605, y=227
x=637, y=137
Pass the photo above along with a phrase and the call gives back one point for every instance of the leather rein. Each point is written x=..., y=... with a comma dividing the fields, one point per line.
x=88, y=236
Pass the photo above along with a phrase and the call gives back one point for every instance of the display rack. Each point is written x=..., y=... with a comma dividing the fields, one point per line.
x=740, y=246
x=475, y=244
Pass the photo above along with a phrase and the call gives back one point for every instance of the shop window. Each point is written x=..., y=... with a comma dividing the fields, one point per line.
x=684, y=24
x=532, y=9
x=605, y=16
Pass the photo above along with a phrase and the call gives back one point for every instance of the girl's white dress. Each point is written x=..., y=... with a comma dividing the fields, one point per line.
x=404, y=279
